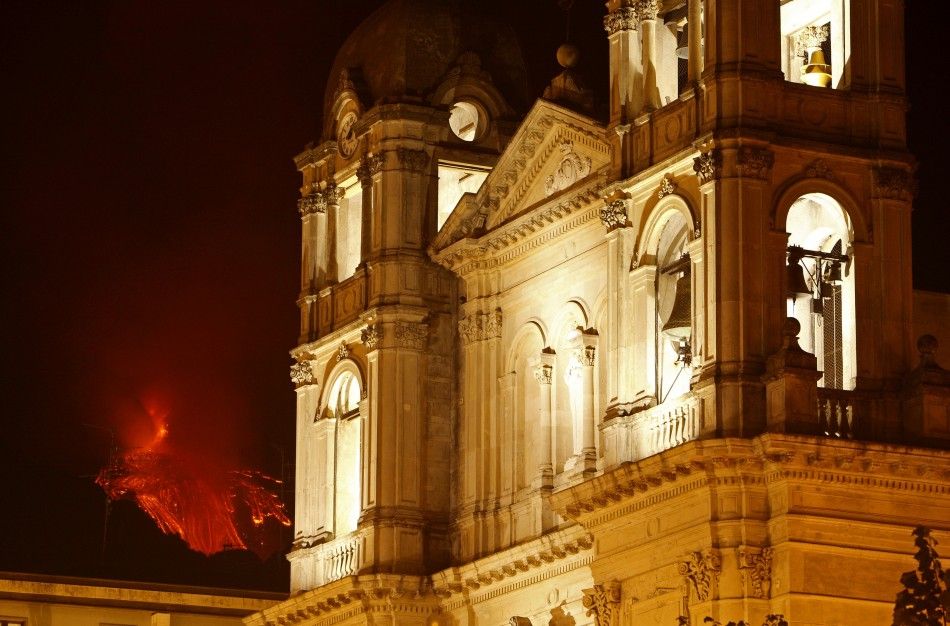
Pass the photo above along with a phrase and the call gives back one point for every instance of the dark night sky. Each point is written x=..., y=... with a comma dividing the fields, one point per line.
x=150, y=246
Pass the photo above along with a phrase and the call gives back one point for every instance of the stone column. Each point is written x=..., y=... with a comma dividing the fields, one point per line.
x=313, y=259
x=626, y=66
x=694, y=25
x=648, y=16
x=368, y=173
x=544, y=373
x=333, y=194
x=587, y=357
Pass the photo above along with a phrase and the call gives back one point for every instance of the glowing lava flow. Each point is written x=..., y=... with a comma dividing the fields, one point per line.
x=208, y=507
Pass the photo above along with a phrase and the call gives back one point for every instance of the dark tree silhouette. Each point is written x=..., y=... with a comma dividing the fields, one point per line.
x=924, y=600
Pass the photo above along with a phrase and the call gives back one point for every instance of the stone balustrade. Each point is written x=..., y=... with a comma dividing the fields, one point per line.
x=836, y=413
x=651, y=431
x=341, y=558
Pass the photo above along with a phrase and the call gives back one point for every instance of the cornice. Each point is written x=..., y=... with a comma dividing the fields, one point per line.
x=550, y=220
x=764, y=460
x=338, y=601
x=480, y=580
x=313, y=155
x=515, y=568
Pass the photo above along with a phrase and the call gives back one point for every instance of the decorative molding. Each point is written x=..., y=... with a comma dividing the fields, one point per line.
x=480, y=326
x=301, y=373
x=471, y=226
x=708, y=166
x=332, y=193
x=671, y=473
x=755, y=162
x=614, y=214
x=624, y=18
x=413, y=160
x=755, y=566
x=370, y=336
x=370, y=165
x=526, y=233
x=313, y=202
x=702, y=569
x=544, y=374
x=536, y=561
x=892, y=183
x=819, y=169
x=648, y=9
x=667, y=186
x=602, y=602
x=529, y=154
x=572, y=168
x=413, y=335
x=343, y=352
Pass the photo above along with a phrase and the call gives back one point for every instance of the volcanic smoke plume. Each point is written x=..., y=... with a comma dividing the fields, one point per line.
x=210, y=507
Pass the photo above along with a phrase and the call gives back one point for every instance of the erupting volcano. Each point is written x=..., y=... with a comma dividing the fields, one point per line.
x=210, y=507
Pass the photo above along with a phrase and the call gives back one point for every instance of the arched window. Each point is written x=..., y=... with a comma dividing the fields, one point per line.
x=821, y=285
x=673, y=319
x=343, y=407
x=344, y=397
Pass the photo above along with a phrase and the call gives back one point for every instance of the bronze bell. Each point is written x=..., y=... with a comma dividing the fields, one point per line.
x=679, y=323
x=682, y=43
x=795, y=284
x=816, y=71
x=833, y=273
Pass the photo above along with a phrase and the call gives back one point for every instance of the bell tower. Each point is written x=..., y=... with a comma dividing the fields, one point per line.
x=408, y=131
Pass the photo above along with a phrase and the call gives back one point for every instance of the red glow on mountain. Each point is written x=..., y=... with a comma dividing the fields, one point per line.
x=210, y=506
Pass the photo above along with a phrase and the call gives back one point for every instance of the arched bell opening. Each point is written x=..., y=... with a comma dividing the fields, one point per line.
x=820, y=285
x=673, y=310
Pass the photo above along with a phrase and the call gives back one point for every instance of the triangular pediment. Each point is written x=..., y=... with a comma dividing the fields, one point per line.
x=554, y=151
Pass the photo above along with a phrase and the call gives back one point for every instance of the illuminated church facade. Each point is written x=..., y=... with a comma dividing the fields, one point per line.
x=558, y=368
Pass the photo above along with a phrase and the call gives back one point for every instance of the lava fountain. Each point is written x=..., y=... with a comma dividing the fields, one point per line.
x=210, y=507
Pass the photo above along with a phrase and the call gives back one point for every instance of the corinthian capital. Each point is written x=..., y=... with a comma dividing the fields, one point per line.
x=369, y=166
x=543, y=374
x=648, y=9
x=811, y=37
x=708, y=166
x=602, y=602
x=313, y=202
x=624, y=18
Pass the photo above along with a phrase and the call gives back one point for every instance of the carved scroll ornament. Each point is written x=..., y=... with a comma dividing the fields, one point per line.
x=755, y=565
x=370, y=337
x=702, y=570
x=708, y=166
x=614, y=214
x=479, y=326
x=301, y=373
x=603, y=603
x=572, y=168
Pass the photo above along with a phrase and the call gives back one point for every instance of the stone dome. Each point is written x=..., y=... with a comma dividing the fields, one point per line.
x=405, y=49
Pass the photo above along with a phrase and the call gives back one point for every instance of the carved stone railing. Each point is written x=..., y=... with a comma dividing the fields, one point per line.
x=340, y=304
x=651, y=431
x=837, y=414
x=342, y=558
x=665, y=427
